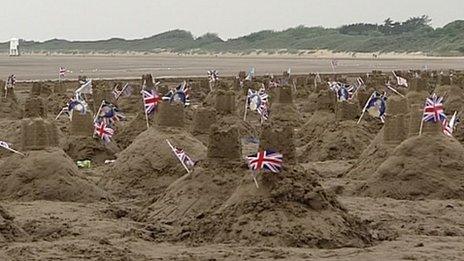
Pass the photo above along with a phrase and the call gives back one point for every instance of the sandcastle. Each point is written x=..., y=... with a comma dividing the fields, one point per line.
x=346, y=110
x=202, y=120
x=225, y=102
x=396, y=125
x=224, y=144
x=38, y=134
x=82, y=124
x=279, y=139
x=169, y=115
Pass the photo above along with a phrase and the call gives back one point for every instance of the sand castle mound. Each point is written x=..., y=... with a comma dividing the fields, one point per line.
x=426, y=166
x=371, y=158
x=9, y=231
x=46, y=175
x=197, y=194
x=147, y=166
x=130, y=130
x=289, y=209
x=337, y=141
x=316, y=125
x=82, y=148
x=10, y=109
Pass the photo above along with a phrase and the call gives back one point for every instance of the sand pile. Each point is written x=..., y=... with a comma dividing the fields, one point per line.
x=46, y=175
x=10, y=109
x=87, y=148
x=126, y=134
x=205, y=189
x=338, y=141
x=371, y=158
x=427, y=166
x=283, y=109
x=147, y=166
x=9, y=231
x=289, y=209
x=10, y=131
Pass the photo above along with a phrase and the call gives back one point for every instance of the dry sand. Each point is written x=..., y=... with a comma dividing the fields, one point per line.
x=144, y=207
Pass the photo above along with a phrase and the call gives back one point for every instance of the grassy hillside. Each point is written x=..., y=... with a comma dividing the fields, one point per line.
x=413, y=35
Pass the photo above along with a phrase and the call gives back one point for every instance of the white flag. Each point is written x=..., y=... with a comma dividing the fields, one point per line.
x=402, y=81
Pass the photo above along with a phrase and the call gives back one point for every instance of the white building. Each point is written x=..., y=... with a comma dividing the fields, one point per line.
x=14, y=47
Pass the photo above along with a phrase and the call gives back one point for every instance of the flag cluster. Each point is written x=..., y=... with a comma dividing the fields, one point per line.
x=434, y=112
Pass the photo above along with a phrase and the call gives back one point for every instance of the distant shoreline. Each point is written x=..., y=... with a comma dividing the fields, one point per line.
x=305, y=54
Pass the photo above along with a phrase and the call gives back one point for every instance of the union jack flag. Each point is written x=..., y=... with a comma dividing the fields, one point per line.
x=183, y=157
x=62, y=71
x=448, y=126
x=360, y=82
x=102, y=130
x=433, y=110
x=126, y=91
x=150, y=100
x=267, y=160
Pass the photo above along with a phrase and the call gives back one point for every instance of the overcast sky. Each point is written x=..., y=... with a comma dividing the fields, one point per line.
x=103, y=19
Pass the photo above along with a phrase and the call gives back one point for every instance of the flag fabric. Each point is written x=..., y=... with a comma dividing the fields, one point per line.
x=258, y=101
x=85, y=88
x=62, y=71
x=433, y=110
x=126, y=91
x=5, y=144
x=360, y=82
x=150, y=100
x=333, y=64
x=267, y=160
x=76, y=105
x=448, y=126
x=180, y=94
x=251, y=74
x=401, y=81
x=183, y=157
x=102, y=130
x=110, y=113
x=213, y=76
x=344, y=91
x=376, y=105
x=11, y=81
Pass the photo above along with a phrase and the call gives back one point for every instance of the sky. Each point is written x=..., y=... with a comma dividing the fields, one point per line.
x=130, y=19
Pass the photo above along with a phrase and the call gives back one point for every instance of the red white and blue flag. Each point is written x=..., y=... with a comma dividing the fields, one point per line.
x=433, y=110
x=62, y=71
x=183, y=157
x=150, y=100
x=102, y=130
x=448, y=126
x=267, y=160
x=213, y=76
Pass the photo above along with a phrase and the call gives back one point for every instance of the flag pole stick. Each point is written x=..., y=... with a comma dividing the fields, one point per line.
x=173, y=150
x=98, y=112
x=15, y=151
x=294, y=84
x=123, y=89
x=364, y=109
x=395, y=91
x=146, y=118
x=253, y=173
x=59, y=114
x=246, y=109
x=422, y=121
